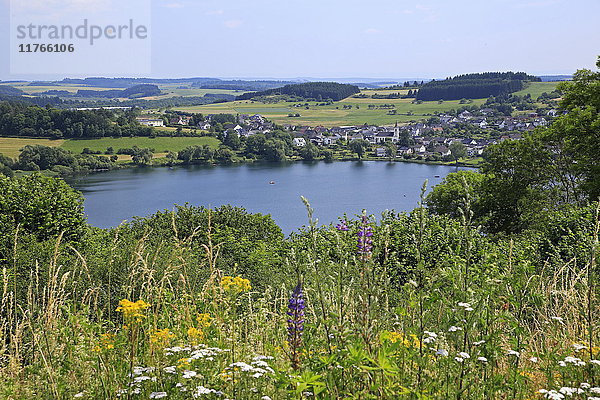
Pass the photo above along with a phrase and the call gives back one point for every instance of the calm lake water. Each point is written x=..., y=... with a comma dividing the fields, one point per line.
x=332, y=189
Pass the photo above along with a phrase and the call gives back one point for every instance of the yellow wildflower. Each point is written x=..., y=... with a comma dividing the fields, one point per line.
x=132, y=310
x=196, y=335
x=226, y=375
x=161, y=337
x=204, y=320
x=105, y=342
x=407, y=341
x=235, y=285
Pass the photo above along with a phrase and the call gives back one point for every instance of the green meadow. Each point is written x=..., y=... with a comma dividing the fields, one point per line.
x=535, y=89
x=335, y=114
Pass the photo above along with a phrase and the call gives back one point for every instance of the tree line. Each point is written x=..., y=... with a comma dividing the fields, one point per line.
x=23, y=120
x=309, y=90
x=474, y=86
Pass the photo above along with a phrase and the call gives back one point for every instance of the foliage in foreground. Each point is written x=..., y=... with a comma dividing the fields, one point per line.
x=216, y=304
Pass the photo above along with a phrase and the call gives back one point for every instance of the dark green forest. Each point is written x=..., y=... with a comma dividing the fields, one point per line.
x=474, y=86
x=23, y=120
x=310, y=90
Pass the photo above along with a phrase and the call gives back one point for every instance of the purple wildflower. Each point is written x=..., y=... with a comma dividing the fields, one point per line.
x=342, y=226
x=365, y=243
x=295, y=324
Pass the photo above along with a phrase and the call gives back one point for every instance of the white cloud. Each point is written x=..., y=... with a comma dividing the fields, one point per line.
x=232, y=24
x=174, y=5
x=372, y=31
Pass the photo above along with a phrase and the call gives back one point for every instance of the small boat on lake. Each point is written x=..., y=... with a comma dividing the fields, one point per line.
x=271, y=182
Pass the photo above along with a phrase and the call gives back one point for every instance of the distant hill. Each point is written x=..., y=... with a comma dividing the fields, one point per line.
x=475, y=86
x=555, y=78
x=10, y=91
x=134, y=92
x=242, y=85
x=128, y=82
x=309, y=90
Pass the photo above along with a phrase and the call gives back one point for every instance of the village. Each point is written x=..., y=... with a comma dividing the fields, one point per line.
x=427, y=139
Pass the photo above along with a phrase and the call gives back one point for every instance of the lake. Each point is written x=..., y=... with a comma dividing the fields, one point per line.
x=332, y=188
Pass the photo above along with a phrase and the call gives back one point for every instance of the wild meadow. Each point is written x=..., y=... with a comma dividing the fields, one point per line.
x=488, y=289
x=216, y=304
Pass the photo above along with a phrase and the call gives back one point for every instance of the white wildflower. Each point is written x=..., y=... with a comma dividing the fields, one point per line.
x=201, y=390
x=242, y=366
x=534, y=359
x=170, y=370
x=569, y=391
x=557, y=319
x=464, y=355
x=579, y=347
x=158, y=395
x=597, y=362
x=260, y=363
x=189, y=374
x=585, y=385
x=562, y=364
x=442, y=352
x=553, y=395
x=140, y=379
x=482, y=359
x=513, y=353
x=454, y=328
x=595, y=390
x=265, y=398
x=575, y=361
x=80, y=394
x=459, y=359
x=261, y=358
x=479, y=343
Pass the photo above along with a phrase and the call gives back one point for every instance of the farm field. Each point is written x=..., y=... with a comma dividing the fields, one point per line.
x=535, y=89
x=11, y=146
x=334, y=114
x=169, y=90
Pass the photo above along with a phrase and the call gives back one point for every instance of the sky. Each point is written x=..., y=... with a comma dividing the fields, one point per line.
x=375, y=39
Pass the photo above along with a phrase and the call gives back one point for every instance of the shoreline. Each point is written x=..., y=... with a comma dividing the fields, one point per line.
x=130, y=165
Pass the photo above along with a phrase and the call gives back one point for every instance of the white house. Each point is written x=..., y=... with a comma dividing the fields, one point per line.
x=299, y=141
x=151, y=121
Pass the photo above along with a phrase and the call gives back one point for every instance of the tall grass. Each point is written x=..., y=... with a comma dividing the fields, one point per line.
x=474, y=320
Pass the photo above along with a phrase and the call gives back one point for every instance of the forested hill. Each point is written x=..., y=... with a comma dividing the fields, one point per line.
x=310, y=90
x=475, y=86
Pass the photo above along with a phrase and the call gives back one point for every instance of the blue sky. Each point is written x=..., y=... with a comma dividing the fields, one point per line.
x=344, y=39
